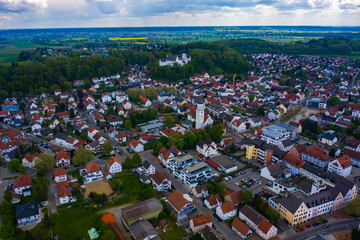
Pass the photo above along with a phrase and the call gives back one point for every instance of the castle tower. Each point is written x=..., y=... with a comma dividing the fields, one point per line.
x=200, y=111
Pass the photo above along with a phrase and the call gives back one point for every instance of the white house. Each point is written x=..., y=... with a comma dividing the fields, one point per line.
x=207, y=148
x=136, y=146
x=226, y=211
x=22, y=185
x=30, y=160
x=146, y=102
x=64, y=192
x=161, y=182
x=92, y=172
x=213, y=201
x=165, y=156
x=127, y=104
x=238, y=125
x=62, y=159
x=60, y=175
x=28, y=213
x=342, y=166
x=106, y=98
x=114, y=165
x=148, y=168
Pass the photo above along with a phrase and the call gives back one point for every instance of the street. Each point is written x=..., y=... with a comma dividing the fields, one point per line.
x=334, y=227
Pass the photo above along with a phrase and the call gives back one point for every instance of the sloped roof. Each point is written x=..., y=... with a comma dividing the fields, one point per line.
x=240, y=226
x=22, y=181
x=92, y=167
x=201, y=220
x=227, y=207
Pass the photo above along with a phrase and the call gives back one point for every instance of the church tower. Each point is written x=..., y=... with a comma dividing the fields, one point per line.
x=200, y=111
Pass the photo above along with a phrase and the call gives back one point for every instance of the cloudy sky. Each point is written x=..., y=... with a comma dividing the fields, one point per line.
x=133, y=13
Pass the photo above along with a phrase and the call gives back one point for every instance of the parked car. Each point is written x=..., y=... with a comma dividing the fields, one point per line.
x=325, y=226
x=301, y=229
x=316, y=224
x=324, y=221
x=308, y=226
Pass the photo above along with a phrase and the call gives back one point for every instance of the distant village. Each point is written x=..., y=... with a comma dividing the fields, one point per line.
x=254, y=157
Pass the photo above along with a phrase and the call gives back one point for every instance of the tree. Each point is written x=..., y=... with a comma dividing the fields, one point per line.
x=190, y=139
x=7, y=231
x=232, y=148
x=136, y=159
x=128, y=162
x=2, y=159
x=196, y=236
x=3, y=95
x=14, y=165
x=157, y=147
x=41, y=186
x=45, y=163
x=333, y=100
x=216, y=132
x=353, y=207
x=107, y=148
x=251, y=98
x=54, y=87
x=169, y=120
x=332, y=153
x=247, y=196
x=82, y=155
x=128, y=124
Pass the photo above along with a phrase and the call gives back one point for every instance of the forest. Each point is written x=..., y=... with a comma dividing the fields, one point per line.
x=322, y=46
x=41, y=74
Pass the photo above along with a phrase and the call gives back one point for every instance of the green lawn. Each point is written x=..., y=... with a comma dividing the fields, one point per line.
x=173, y=232
x=72, y=223
x=7, y=57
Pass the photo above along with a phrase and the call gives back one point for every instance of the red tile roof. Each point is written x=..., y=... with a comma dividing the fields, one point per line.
x=92, y=167
x=345, y=161
x=160, y=177
x=201, y=220
x=317, y=152
x=59, y=172
x=62, y=154
x=177, y=200
x=111, y=161
x=240, y=226
x=227, y=207
x=31, y=157
x=22, y=181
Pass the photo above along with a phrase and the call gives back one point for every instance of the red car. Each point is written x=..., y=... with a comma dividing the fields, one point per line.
x=301, y=229
x=263, y=191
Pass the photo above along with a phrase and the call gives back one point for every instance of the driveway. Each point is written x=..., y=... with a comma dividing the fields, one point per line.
x=51, y=197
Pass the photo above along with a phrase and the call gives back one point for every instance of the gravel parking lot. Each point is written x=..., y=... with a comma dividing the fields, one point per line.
x=255, y=188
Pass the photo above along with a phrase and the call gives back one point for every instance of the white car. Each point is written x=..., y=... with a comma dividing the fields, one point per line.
x=260, y=182
x=237, y=184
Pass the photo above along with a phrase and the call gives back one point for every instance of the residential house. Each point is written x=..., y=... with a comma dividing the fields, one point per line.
x=146, y=102
x=257, y=222
x=200, y=191
x=238, y=125
x=135, y=146
x=148, y=168
x=213, y=201
x=241, y=228
x=62, y=159
x=181, y=203
x=226, y=211
x=92, y=172
x=199, y=223
x=328, y=139
x=64, y=192
x=22, y=185
x=60, y=175
x=161, y=182
x=30, y=160
x=317, y=156
x=28, y=213
x=207, y=148
x=234, y=197
x=114, y=165
x=342, y=166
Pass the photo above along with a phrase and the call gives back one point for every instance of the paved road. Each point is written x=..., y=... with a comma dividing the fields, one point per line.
x=227, y=232
x=334, y=227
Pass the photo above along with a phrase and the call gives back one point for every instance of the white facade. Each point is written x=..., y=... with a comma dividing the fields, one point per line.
x=60, y=178
x=223, y=215
x=20, y=190
x=200, y=111
x=335, y=166
x=274, y=135
x=115, y=168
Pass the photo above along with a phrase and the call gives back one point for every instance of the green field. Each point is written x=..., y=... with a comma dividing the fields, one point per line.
x=8, y=57
x=70, y=223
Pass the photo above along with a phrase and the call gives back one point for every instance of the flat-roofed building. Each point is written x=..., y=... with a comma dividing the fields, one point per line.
x=141, y=211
